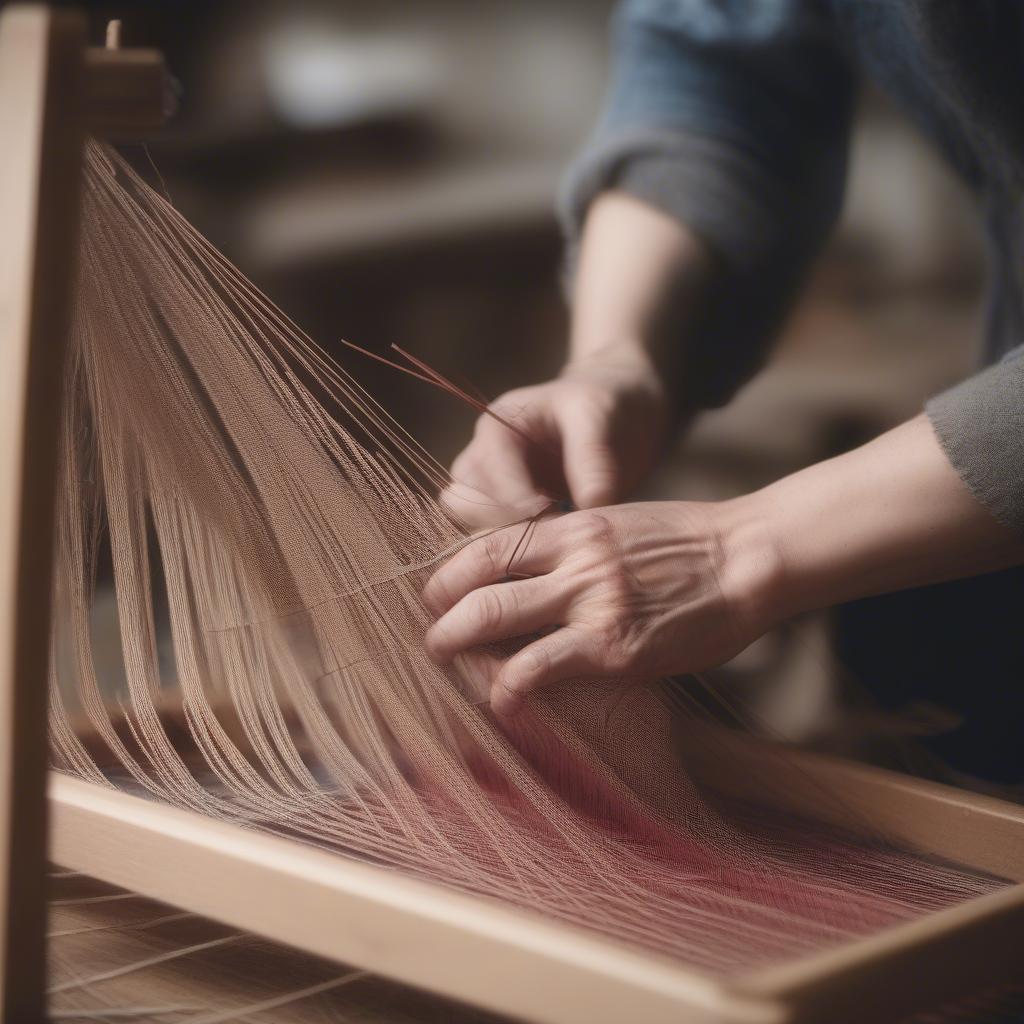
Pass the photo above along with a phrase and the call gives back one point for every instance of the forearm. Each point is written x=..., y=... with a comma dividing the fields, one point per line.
x=889, y=515
x=639, y=279
x=592, y=434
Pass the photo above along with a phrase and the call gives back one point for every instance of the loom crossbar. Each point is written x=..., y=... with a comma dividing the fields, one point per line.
x=468, y=948
x=53, y=89
x=532, y=968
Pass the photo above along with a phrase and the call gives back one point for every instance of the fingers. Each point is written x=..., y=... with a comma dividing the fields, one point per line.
x=560, y=655
x=591, y=468
x=497, y=612
x=495, y=461
x=479, y=509
x=492, y=479
x=486, y=560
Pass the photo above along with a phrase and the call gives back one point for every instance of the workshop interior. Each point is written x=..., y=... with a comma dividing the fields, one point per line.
x=266, y=270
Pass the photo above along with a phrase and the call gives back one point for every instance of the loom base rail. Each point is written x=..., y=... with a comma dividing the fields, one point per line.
x=529, y=967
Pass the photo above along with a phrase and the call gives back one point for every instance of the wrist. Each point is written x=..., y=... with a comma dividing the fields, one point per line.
x=625, y=370
x=891, y=514
x=752, y=574
x=627, y=356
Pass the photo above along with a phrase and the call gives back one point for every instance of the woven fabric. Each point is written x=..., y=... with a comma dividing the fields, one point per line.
x=265, y=529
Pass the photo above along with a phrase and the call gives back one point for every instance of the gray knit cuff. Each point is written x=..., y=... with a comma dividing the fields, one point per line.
x=764, y=237
x=980, y=424
x=722, y=196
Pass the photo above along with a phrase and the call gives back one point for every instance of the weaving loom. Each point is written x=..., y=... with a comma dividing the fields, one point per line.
x=274, y=750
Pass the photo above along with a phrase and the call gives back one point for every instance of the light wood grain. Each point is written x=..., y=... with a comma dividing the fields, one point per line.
x=126, y=94
x=471, y=949
x=942, y=957
x=506, y=960
x=970, y=829
x=50, y=89
x=39, y=172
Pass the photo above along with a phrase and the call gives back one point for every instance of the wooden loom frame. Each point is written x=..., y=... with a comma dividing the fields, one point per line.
x=468, y=948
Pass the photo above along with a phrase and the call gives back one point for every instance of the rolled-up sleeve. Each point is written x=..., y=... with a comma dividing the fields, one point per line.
x=980, y=424
x=733, y=117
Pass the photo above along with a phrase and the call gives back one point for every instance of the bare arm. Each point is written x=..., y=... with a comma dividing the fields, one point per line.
x=891, y=514
x=598, y=427
x=639, y=277
x=660, y=588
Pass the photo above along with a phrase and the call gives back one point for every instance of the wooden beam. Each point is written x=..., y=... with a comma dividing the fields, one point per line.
x=126, y=92
x=480, y=951
x=933, y=960
x=970, y=829
x=468, y=948
x=40, y=59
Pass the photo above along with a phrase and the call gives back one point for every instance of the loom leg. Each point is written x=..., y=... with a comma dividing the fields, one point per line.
x=40, y=61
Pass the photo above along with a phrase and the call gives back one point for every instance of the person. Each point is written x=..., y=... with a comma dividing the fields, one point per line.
x=708, y=188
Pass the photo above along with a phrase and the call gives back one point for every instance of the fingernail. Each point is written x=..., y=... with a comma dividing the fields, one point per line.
x=504, y=707
x=430, y=646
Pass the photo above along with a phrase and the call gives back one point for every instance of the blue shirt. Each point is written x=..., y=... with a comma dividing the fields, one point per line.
x=734, y=116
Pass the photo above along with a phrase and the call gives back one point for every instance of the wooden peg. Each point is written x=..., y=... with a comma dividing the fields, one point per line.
x=40, y=92
x=126, y=95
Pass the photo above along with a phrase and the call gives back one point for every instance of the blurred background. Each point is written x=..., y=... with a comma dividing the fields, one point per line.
x=386, y=172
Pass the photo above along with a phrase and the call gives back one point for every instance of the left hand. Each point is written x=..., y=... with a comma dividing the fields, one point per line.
x=640, y=591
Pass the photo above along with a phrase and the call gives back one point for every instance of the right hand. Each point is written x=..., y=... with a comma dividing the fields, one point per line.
x=636, y=592
x=596, y=431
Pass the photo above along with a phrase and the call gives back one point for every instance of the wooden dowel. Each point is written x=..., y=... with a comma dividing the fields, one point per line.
x=470, y=948
x=40, y=89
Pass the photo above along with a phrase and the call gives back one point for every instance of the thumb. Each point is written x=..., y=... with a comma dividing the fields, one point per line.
x=591, y=469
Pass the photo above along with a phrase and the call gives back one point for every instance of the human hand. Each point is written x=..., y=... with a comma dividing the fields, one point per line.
x=653, y=589
x=639, y=591
x=589, y=435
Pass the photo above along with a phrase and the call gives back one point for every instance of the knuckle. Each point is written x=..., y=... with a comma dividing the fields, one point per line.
x=618, y=586
x=617, y=655
x=436, y=594
x=596, y=454
x=486, y=610
x=519, y=405
x=596, y=401
x=612, y=638
x=574, y=398
x=511, y=686
x=440, y=636
x=531, y=664
x=513, y=399
x=492, y=552
x=597, y=446
x=592, y=528
x=509, y=695
x=482, y=427
x=485, y=435
x=608, y=647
